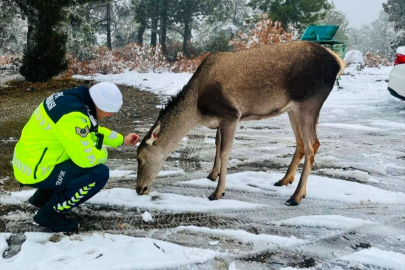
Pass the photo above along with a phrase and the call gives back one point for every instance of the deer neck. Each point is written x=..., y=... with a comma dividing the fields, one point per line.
x=177, y=121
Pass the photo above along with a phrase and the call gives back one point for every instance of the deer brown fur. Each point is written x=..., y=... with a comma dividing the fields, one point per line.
x=230, y=87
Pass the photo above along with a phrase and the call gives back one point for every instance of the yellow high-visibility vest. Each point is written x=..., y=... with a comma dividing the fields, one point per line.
x=58, y=130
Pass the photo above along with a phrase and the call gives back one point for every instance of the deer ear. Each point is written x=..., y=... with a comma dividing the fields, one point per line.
x=154, y=134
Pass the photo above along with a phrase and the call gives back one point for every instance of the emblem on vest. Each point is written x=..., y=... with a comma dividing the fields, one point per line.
x=82, y=132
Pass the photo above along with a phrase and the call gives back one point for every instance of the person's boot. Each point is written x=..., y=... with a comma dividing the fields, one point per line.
x=40, y=197
x=56, y=222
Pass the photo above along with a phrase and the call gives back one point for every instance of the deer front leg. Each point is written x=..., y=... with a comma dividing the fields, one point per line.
x=227, y=131
x=217, y=162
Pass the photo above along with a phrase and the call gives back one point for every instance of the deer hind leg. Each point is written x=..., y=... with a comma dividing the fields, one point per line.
x=217, y=162
x=299, y=153
x=227, y=135
x=307, y=119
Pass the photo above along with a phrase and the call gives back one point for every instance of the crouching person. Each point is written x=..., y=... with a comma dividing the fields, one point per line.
x=61, y=151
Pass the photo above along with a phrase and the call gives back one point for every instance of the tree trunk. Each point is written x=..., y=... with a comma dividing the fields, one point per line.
x=235, y=11
x=163, y=28
x=153, y=37
x=30, y=36
x=187, y=37
x=141, y=30
x=109, y=26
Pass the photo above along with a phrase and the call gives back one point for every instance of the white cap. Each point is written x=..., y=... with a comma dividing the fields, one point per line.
x=106, y=96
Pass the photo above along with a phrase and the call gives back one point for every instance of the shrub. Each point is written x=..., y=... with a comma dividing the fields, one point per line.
x=264, y=32
x=141, y=58
x=9, y=59
x=371, y=60
x=217, y=42
x=183, y=64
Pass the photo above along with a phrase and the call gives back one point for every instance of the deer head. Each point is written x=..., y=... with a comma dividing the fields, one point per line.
x=150, y=158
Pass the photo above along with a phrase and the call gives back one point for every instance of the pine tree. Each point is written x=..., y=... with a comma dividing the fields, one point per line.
x=382, y=34
x=185, y=12
x=396, y=14
x=45, y=54
x=148, y=13
x=296, y=14
x=159, y=15
x=218, y=29
x=80, y=31
x=125, y=26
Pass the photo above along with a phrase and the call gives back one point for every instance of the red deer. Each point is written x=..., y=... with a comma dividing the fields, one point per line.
x=229, y=87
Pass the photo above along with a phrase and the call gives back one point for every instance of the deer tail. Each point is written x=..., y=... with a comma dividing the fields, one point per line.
x=340, y=61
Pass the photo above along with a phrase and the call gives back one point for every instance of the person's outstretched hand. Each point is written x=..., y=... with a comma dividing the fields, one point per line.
x=131, y=139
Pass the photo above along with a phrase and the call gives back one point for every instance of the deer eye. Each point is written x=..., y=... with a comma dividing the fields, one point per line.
x=139, y=160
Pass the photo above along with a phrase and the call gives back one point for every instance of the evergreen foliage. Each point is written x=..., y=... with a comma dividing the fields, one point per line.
x=47, y=58
x=160, y=15
x=296, y=14
x=337, y=17
x=216, y=42
x=185, y=12
x=396, y=14
x=13, y=27
x=81, y=33
x=216, y=30
x=125, y=26
x=45, y=55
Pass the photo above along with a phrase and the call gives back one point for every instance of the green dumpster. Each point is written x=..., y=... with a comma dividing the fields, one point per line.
x=323, y=34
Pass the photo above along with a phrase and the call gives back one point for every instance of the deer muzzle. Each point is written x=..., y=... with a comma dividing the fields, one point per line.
x=142, y=190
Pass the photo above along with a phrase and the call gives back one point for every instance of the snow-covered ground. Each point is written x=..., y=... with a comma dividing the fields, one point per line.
x=358, y=188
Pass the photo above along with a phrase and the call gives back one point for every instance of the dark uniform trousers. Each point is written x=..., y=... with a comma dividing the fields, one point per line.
x=73, y=185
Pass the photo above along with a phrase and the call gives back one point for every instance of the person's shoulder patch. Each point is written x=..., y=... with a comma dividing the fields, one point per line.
x=82, y=132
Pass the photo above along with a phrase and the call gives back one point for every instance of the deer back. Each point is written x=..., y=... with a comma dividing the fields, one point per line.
x=261, y=82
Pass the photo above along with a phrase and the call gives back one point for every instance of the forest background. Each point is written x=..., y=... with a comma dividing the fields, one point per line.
x=47, y=38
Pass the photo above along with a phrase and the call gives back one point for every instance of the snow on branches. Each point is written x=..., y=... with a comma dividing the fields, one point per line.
x=146, y=58
x=141, y=58
x=183, y=64
x=264, y=32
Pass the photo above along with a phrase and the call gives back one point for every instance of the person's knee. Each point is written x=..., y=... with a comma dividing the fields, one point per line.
x=103, y=173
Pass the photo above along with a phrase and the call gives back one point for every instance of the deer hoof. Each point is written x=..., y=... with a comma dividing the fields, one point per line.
x=212, y=177
x=291, y=202
x=278, y=184
x=212, y=197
